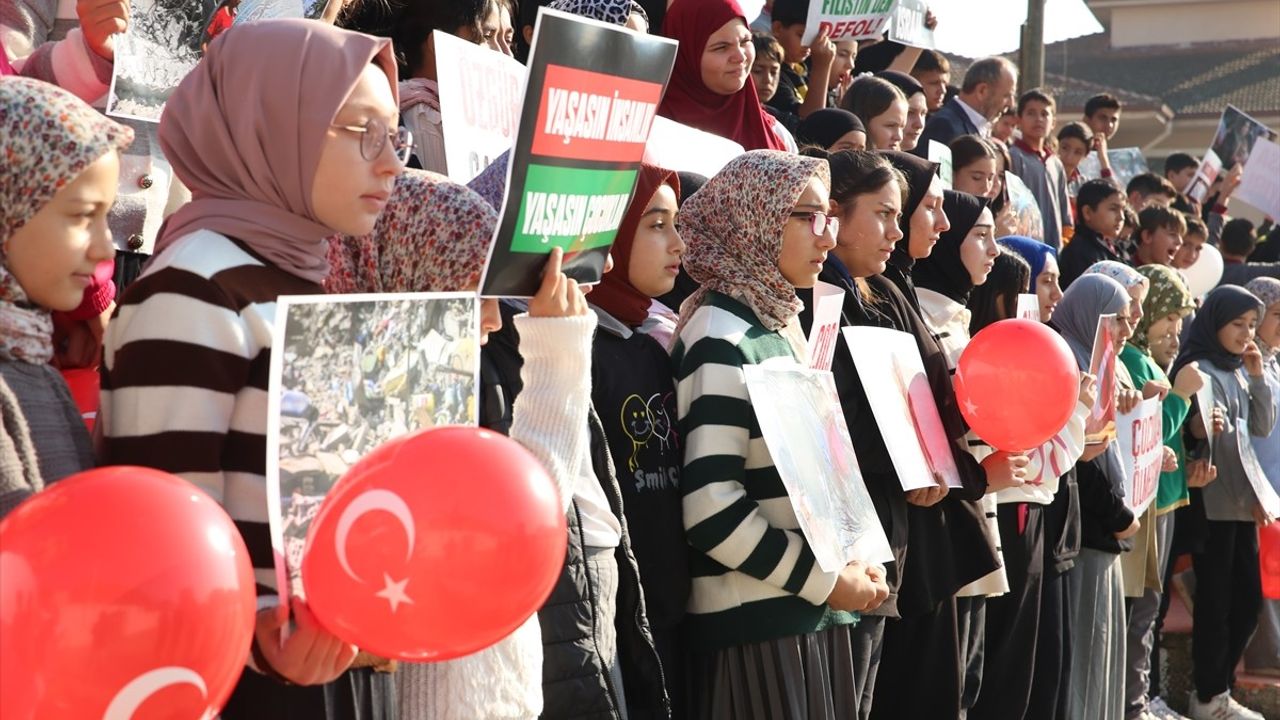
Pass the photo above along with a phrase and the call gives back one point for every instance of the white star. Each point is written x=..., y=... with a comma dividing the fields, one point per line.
x=969, y=406
x=394, y=593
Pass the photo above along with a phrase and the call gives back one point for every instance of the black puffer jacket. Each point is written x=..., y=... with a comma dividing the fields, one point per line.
x=575, y=683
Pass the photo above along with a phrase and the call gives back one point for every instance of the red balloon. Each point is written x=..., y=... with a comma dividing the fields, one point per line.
x=125, y=593
x=1269, y=558
x=435, y=545
x=1017, y=384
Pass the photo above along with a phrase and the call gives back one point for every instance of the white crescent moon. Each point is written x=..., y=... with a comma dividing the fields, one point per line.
x=368, y=501
x=131, y=696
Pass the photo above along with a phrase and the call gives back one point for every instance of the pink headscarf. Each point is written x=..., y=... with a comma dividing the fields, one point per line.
x=245, y=129
x=5, y=67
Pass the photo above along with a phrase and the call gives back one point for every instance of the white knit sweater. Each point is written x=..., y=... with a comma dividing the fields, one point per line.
x=550, y=419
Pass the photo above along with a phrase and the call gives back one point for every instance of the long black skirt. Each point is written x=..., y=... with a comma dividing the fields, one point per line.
x=360, y=694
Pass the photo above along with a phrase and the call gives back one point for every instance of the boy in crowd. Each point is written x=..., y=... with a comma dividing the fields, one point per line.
x=1005, y=126
x=1193, y=239
x=841, y=71
x=1150, y=189
x=1102, y=115
x=794, y=80
x=933, y=71
x=1160, y=233
x=1239, y=238
x=1075, y=140
x=1039, y=168
x=765, y=73
x=1101, y=217
x=1179, y=169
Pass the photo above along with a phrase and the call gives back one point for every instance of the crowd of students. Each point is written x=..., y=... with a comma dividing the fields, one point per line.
x=689, y=591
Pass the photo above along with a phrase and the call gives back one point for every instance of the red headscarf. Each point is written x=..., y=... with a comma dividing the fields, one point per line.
x=737, y=117
x=5, y=67
x=615, y=294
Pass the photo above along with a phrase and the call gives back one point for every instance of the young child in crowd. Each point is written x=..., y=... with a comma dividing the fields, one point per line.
x=1193, y=240
x=1149, y=189
x=1102, y=115
x=1101, y=220
x=1075, y=140
x=933, y=71
x=766, y=74
x=806, y=70
x=58, y=181
x=1005, y=127
x=1039, y=168
x=833, y=130
x=1160, y=233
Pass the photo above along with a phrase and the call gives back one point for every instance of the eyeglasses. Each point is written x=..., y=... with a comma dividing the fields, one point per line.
x=375, y=136
x=819, y=222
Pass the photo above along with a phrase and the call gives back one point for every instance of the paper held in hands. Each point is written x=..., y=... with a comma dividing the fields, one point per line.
x=1101, y=424
x=583, y=128
x=1204, y=401
x=1028, y=307
x=1141, y=442
x=805, y=432
x=828, y=301
x=350, y=373
x=480, y=97
x=892, y=373
x=1262, y=489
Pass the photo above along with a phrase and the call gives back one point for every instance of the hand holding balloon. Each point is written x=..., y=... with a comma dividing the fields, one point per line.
x=1005, y=470
x=310, y=655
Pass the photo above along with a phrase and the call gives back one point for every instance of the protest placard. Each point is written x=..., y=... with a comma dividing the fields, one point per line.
x=1260, y=184
x=1232, y=144
x=1141, y=444
x=828, y=301
x=1026, y=211
x=349, y=373
x=804, y=429
x=1126, y=163
x=480, y=97
x=892, y=374
x=1028, y=307
x=941, y=154
x=253, y=10
x=847, y=19
x=907, y=26
x=1101, y=425
x=591, y=96
x=1262, y=488
x=685, y=149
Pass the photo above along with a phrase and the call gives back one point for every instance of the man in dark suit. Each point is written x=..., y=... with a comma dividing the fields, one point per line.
x=989, y=87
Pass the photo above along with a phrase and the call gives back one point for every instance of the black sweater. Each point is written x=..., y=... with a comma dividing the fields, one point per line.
x=1086, y=248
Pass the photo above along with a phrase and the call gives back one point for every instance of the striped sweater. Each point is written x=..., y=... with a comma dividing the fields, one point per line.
x=185, y=373
x=754, y=577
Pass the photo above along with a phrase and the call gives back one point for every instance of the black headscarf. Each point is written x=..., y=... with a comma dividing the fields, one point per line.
x=824, y=127
x=904, y=82
x=1222, y=305
x=943, y=272
x=919, y=173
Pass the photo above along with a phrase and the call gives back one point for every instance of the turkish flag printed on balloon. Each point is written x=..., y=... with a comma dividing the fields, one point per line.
x=435, y=545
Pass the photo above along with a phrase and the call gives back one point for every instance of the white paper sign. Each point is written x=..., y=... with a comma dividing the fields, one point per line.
x=805, y=432
x=847, y=19
x=1262, y=488
x=892, y=373
x=481, y=92
x=1139, y=435
x=1260, y=183
x=828, y=301
x=908, y=25
x=941, y=154
x=1028, y=307
x=1204, y=399
x=1126, y=163
x=682, y=148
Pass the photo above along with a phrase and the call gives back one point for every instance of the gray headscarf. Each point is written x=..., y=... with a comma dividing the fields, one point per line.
x=1076, y=317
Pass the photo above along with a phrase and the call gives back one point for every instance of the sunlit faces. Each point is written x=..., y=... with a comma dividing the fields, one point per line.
x=1048, y=291
x=842, y=66
x=1236, y=335
x=1104, y=121
x=727, y=58
x=1189, y=251
x=1159, y=246
x=1269, y=327
x=928, y=222
x=791, y=38
x=1107, y=219
x=54, y=254
x=506, y=31
x=1003, y=128
x=1137, y=296
x=804, y=251
x=1071, y=151
x=1000, y=95
x=764, y=75
x=1036, y=121
x=349, y=192
x=935, y=87
x=657, y=249
x=1182, y=178
x=977, y=178
x=978, y=252
x=868, y=230
x=852, y=140
x=1162, y=339
x=886, y=130
x=916, y=112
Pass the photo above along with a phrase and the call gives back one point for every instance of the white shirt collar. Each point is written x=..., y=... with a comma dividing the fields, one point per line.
x=983, y=124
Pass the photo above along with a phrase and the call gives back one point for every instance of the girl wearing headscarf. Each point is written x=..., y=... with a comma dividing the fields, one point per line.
x=917, y=109
x=1228, y=584
x=1167, y=303
x=434, y=237
x=56, y=185
x=187, y=358
x=1096, y=597
x=768, y=629
x=633, y=390
x=833, y=130
x=709, y=87
x=1263, y=654
x=1043, y=260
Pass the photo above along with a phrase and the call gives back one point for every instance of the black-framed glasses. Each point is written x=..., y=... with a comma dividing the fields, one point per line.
x=819, y=222
x=374, y=137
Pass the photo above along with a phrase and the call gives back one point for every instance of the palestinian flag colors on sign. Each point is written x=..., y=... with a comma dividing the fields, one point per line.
x=592, y=92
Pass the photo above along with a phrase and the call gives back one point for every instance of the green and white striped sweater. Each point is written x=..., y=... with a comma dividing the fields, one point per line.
x=754, y=576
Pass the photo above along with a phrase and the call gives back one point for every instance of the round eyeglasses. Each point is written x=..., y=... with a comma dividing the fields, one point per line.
x=374, y=137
